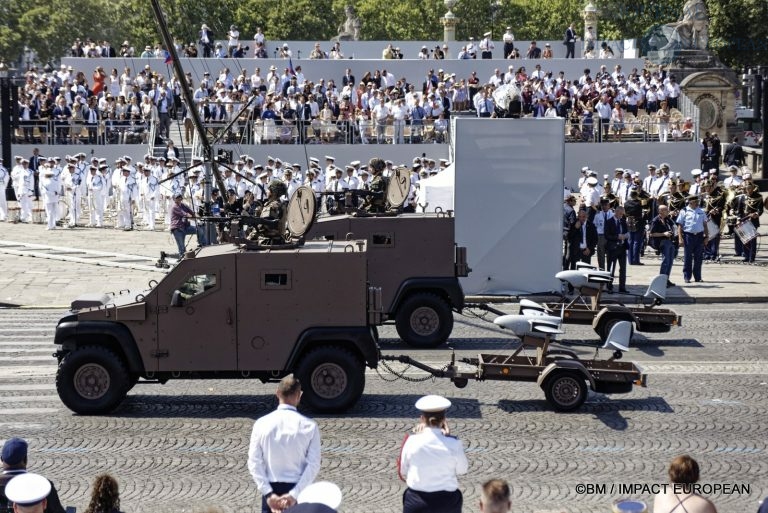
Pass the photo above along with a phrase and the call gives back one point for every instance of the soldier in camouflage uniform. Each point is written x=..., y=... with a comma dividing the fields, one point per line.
x=376, y=200
x=269, y=231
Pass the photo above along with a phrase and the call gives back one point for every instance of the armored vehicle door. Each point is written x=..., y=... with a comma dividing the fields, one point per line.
x=196, y=314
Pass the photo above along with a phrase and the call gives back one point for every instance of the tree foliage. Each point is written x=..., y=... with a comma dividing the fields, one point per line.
x=738, y=28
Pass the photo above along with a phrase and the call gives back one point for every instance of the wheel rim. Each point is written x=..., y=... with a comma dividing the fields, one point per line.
x=92, y=381
x=424, y=321
x=329, y=380
x=566, y=391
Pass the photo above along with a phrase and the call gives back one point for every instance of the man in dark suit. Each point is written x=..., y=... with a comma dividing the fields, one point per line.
x=303, y=117
x=570, y=42
x=582, y=240
x=348, y=78
x=534, y=52
x=616, y=235
x=107, y=50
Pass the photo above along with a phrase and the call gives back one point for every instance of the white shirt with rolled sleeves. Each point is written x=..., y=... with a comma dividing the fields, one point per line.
x=431, y=461
x=284, y=448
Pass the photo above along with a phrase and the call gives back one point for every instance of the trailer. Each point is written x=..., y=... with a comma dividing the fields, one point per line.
x=564, y=377
x=587, y=306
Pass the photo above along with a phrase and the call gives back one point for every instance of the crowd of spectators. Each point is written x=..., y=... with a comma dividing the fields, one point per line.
x=119, y=106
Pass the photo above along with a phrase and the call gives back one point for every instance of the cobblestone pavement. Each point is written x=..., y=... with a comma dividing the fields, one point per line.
x=183, y=446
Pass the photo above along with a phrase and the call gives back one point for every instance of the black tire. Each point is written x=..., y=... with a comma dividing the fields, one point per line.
x=565, y=390
x=424, y=320
x=608, y=325
x=332, y=379
x=92, y=380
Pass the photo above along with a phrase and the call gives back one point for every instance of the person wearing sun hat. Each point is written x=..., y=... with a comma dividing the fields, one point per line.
x=430, y=461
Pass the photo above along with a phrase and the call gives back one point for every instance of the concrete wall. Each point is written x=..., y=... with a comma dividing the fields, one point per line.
x=413, y=70
x=410, y=49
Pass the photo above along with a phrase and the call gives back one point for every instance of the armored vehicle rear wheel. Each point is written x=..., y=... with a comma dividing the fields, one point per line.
x=92, y=380
x=424, y=320
x=332, y=379
x=565, y=390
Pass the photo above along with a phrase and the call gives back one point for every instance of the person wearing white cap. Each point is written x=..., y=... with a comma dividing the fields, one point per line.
x=95, y=187
x=49, y=190
x=486, y=46
x=320, y=497
x=695, y=189
x=149, y=189
x=284, y=451
x=430, y=461
x=3, y=183
x=128, y=195
x=28, y=493
x=509, y=42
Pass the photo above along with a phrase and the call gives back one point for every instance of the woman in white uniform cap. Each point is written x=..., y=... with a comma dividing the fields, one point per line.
x=430, y=461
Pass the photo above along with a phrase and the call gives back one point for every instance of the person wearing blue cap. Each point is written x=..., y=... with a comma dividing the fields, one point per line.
x=28, y=491
x=430, y=461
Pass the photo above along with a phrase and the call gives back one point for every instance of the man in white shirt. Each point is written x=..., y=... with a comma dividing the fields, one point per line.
x=380, y=115
x=486, y=46
x=284, y=453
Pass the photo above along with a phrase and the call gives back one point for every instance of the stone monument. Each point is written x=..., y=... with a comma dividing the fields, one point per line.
x=681, y=46
x=449, y=21
x=350, y=29
x=590, y=15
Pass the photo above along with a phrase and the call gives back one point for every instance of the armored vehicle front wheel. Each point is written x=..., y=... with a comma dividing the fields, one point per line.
x=424, y=320
x=332, y=379
x=92, y=380
x=565, y=390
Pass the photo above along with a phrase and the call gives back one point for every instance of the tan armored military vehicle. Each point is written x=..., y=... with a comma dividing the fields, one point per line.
x=232, y=311
x=413, y=258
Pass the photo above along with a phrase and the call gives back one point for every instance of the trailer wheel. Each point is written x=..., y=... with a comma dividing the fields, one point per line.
x=424, y=320
x=565, y=390
x=92, y=380
x=332, y=379
x=608, y=325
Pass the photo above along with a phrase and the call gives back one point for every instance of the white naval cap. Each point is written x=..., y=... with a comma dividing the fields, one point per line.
x=605, y=176
x=264, y=174
x=355, y=163
x=585, y=169
x=747, y=176
x=322, y=492
x=433, y=403
x=591, y=180
x=695, y=172
x=664, y=165
x=314, y=160
x=329, y=157
x=704, y=174
x=27, y=489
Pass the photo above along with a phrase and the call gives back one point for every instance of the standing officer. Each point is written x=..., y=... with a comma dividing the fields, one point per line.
x=601, y=219
x=616, y=235
x=692, y=235
x=430, y=461
x=284, y=452
x=49, y=188
x=96, y=188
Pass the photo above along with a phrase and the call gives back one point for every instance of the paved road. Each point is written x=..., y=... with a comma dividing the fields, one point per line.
x=183, y=446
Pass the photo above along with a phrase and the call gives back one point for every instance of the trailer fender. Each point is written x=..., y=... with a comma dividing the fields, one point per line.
x=569, y=365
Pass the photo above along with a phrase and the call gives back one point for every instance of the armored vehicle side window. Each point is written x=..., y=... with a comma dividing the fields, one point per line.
x=276, y=280
x=383, y=239
x=197, y=285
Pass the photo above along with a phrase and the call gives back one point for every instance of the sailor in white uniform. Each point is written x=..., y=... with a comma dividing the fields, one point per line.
x=430, y=461
x=49, y=190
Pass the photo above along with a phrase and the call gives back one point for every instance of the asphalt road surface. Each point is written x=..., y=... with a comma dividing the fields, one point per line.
x=183, y=446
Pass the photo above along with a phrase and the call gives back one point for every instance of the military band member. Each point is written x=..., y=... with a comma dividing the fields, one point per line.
x=713, y=201
x=431, y=460
x=753, y=209
x=695, y=189
x=73, y=188
x=128, y=194
x=609, y=195
x=664, y=237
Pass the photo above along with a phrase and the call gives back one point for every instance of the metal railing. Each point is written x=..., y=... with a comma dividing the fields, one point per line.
x=78, y=132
